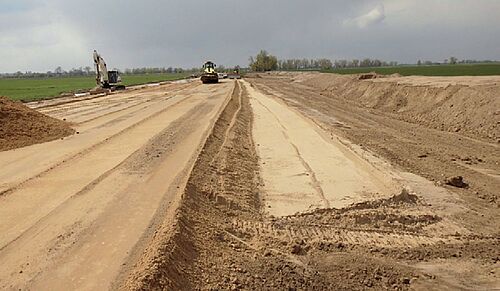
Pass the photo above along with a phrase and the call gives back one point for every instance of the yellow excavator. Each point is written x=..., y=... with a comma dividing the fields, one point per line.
x=209, y=74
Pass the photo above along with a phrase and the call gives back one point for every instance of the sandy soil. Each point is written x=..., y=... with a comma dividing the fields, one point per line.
x=21, y=126
x=414, y=148
x=278, y=182
x=73, y=212
x=442, y=82
x=303, y=168
x=227, y=237
x=465, y=105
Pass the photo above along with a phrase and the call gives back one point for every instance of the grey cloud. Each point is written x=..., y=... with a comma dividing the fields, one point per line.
x=372, y=17
x=185, y=33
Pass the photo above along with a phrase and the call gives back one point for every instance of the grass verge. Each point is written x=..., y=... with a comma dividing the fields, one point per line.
x=34, y=89
x=435, y=70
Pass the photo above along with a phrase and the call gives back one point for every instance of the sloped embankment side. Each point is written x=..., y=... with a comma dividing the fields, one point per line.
x=177, y=257
x=443, y=103
x=22, y=126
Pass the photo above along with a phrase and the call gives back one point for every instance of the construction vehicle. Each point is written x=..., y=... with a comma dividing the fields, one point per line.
x=209, y=74
x=235, y=74
x=104, y=78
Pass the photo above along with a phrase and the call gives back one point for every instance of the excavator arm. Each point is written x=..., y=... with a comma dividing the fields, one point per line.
x=101, y=71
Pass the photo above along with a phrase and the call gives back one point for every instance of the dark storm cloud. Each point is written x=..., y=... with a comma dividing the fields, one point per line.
x=185, y=33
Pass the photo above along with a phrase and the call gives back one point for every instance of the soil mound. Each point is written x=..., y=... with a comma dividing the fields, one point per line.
x=468, y=105
x=22, y=126
x=404, y=198
x=399, y=213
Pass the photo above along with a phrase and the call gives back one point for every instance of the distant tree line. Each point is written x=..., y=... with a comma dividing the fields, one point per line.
x=58, y=72
x=267, y=62
x=454, y=61
x=88, y=71
x=168, y=70
x=326, y=64
x=262, y=62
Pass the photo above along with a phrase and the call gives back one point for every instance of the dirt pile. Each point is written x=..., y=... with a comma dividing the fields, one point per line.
x=469, y=105
x=22, y=126
x=403, y=212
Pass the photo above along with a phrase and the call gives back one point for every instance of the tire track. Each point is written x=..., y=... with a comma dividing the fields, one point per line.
x=236, y=91
x=152, y=101
x=165, y=253
x=115, y=101
x=312, y=175
x=92, y=235
x=38, y=105
x=140, y=156
x=49, y=189
x=92, y=148
x=348, y=235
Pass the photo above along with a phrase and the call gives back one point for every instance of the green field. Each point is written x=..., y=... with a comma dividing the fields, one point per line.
x=33, y=89
x=435, y=70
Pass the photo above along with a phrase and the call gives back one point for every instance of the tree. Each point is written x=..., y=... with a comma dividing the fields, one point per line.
x=87, y=70
x=366, y=63
x=453, y=60
x=324, y=64
x=263, y=62
x=58, y=70
x=419, y=63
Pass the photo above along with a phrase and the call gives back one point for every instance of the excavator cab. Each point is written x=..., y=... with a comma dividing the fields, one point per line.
x=209, y=74
x=114, y=77
x=209, y=67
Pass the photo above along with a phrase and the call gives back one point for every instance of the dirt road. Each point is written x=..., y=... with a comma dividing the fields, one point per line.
x=419, y=159
x=73, y=212
x=276, y=182
x=278, y=150
x=303, y=169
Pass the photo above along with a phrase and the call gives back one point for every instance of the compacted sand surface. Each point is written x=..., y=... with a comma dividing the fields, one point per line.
x=280, y=181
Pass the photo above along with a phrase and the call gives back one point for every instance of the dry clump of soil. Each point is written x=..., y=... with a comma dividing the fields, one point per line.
x=22, y=126
x=400, y=212
x=438, y=103
x=457, y=181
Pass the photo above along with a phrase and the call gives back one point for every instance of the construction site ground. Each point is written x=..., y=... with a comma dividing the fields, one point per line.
x=279, y=181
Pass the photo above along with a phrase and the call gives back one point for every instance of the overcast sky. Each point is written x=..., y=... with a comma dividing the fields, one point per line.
x=41, y=35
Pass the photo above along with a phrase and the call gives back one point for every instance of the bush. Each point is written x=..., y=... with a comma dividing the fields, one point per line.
x=263, y=62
